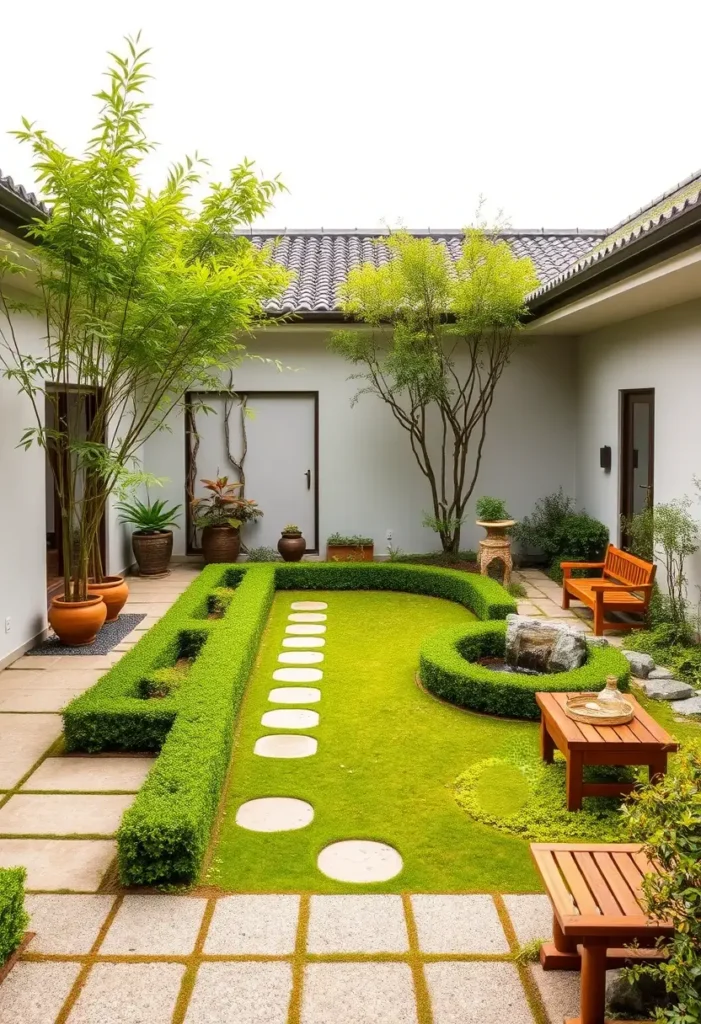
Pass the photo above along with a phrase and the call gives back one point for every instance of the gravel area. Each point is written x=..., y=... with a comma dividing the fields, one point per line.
x=109, y=636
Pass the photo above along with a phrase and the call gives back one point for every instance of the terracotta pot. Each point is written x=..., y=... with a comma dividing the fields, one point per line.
x=350, y=553
x=115, y=592
x=220, y=544
x=292, y=546
x=76, y=623
x=152, y=552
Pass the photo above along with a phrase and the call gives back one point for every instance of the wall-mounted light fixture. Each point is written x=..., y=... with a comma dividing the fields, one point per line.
x=605, y=458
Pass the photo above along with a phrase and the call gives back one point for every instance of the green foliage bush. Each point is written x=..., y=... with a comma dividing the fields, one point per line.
x=670, y=644
x=556, y=530
x=338, y=540
x=491, y=510
x=13, y=917
x=448, y=668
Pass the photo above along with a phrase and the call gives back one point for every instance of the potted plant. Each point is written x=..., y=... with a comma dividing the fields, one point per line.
x=292, y=544
x=220, y=516
x=492, y=514
x=349, y=549
x=152, y=540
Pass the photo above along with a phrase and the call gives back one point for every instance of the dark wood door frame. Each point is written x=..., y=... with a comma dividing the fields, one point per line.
x=628, y=399
x=314, y=395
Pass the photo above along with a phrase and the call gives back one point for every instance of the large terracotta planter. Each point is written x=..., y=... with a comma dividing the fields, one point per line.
x=115, y=592
x=152, y=552
x=76, y=623
x=292, y=546
x=349, y=553
x=220, y=544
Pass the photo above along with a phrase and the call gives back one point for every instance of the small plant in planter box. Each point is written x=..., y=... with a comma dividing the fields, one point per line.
x=152, y=539
x=349, y=549
x=220, y=516
x=292, y=544
x=491, y=510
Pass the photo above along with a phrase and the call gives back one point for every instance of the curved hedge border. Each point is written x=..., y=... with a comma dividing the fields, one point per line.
x=448, y=668
x=164, y=834
x=13, y=917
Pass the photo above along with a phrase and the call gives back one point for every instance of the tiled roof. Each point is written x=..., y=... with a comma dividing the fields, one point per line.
x=19, y=192
x=321, y=259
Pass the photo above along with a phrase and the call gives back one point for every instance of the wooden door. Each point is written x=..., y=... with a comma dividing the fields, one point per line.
x=637, y=457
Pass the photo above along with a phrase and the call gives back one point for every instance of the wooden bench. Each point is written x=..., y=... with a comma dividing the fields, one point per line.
x=598, y=907
x=625, y=585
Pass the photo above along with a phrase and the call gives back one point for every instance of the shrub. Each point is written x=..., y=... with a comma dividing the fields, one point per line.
x=491, y=510
x=264, y=554
x=436, y=558
x=669, y=533
x=561, y=534
x=448, y=668
x=337, y=540
x=13, y=917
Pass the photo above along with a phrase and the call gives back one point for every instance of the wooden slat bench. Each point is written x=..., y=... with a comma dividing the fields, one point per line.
x=596, y=894
x=625, y=585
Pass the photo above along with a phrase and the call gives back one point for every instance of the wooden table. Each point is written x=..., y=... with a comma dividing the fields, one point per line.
x=595, y=891
x=641, y=741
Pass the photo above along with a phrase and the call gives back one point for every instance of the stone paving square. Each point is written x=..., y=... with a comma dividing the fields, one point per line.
x=74, y=864
x=27, y=698
x=531, y=916
x=458, y=924
x=66, y=924
x=155, y=925
x=477, y=993
x=90, y=774
x=559, y=991
x=128, y=994
x=254, y=924
x=357, y=924
x=241, y=993
x=23, y=739
x=35, y=993
x=346, y=993
x=59, y=814
x=59, y=678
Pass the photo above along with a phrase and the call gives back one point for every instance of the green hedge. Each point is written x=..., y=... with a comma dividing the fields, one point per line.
x=13, y=917
x=164, y=835
x=448, y=668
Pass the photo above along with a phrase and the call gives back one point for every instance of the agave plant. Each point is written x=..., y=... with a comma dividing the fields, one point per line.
x=148, y=516
x=222, y=506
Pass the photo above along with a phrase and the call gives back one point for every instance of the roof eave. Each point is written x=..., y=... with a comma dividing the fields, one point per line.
x=16, y=213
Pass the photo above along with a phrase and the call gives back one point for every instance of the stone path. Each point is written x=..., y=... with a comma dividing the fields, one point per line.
x=544, y=599
x=284, y=959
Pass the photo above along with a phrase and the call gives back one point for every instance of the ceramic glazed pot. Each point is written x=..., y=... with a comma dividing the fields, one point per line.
x=292, y=546
x=220, y=544
x=115, y=592
x=152, y=552
x=76, y=623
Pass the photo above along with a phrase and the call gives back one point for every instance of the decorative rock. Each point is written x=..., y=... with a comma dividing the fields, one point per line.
x=692, y=706
x=636, y=1000
x=308, y=606
x=304, y=629
x=274, y=814
x=667, y=689
x=641, y=665
x=543, y=646
x=300, y=658
x=285, y=745
x=297, y=675
x=307, y=617
x=303, y=641
x=359, y=860
x=294, y=695
x=598, y=641
x=661, y=673
x=290, y=718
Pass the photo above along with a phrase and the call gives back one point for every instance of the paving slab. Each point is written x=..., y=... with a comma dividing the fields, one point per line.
x=285, y=745
x=128, y=994
x=57, y=679
x=254, y=924
x=303, y=641
x=559, y=991
x=290, y=718
x=531, y=915
x=243, y=993
x=155, y=925
x=357, y=924
x=305, y=630
x=307, y=617
x=60, y=814
x=81, y=662
x=90, y=774
x=23, y=739
x=309, y=606
x=300, y=658
x=476, y=993
x=35, y=662
x=27, y=698
x=343, y=993
x=66, y=923
x=274, y=814
x=150, y=608
x=74, y=864
x=294, y=695
x=458, y=924
x=298, y=675
x=360, y=860
x=35, y=993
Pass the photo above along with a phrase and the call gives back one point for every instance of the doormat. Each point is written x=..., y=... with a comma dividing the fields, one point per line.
x=109, y=636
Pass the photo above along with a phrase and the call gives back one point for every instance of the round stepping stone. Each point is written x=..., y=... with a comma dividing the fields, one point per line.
x=300, y=658
x=310, y=629
x=290, y=718
x=359, y=860
x=303, y=641
x=274, y=814
x=307, y=617
x=285, y=746
x=297, y=675
x=294, y=695
x=308, y=606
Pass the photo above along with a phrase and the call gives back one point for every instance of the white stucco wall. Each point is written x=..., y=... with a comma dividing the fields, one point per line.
x=369, y=481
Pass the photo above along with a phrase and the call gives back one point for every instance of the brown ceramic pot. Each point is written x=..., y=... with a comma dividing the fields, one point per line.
x=115, y=592
x=292, y=546
x=76, y=623
x=152, y=552
x=220, y=544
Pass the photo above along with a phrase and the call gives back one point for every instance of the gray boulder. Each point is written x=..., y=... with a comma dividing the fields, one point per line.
x=598, y=641
x=641, y=665
x=543, y=646
x=667, y=689
x=635, y=1000
x=692, y=706
x=661, y=673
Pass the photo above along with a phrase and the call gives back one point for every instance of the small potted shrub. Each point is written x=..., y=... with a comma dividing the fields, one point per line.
x=349, y=549
x=292, y=544
x=493, y=516
x=220, y=516
x=152, y=539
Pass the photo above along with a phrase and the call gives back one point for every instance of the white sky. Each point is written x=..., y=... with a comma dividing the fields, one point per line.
x=562, y=114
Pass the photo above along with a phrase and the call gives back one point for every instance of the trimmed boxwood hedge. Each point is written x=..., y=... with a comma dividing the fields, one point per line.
x=13, y=917
x=448, y=668
x=164, y=835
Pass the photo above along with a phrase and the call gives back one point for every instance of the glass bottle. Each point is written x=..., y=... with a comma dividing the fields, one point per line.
x=611, y=691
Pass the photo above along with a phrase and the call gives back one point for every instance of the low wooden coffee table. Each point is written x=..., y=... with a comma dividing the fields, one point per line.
x=641, y=741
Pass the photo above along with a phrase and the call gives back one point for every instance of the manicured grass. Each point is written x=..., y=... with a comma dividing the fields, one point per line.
x=387, y=760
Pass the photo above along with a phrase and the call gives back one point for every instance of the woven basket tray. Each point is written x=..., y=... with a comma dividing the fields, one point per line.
x=580, y=709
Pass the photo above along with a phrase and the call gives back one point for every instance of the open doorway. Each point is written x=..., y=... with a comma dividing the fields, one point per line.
x=637, y=452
